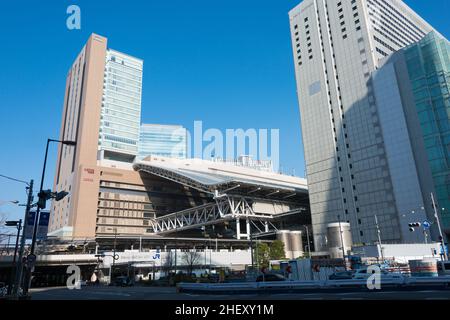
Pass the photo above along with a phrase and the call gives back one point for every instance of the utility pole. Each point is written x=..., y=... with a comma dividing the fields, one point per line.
x=114, y=254
x=309, y=243
x=379, y=238
x=19, y=274
x=18, y=225
x=342, y=239
x=439, y=227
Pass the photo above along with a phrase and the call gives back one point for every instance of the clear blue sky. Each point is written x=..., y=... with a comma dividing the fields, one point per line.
x=227, y=63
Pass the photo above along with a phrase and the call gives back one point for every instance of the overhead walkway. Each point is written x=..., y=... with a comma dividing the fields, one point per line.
x=254, y=197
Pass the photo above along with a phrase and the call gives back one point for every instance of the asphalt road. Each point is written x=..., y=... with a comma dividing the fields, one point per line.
x=166, y=293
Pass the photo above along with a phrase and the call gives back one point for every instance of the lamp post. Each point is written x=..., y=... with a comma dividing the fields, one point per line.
x=41, y=197
x=17, y=224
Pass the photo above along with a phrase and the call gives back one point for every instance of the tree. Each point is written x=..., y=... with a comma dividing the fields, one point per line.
x=168, y=263
x=262, y=255
x=277, y=250
x=191, y=258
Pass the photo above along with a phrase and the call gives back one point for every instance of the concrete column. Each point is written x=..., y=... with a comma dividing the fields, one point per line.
x=248, y=228
x=238, y=229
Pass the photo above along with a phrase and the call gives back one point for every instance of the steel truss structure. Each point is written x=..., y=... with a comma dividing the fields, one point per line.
x=225, y=208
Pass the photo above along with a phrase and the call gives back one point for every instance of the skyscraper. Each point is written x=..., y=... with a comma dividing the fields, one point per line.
x=102, y=107
x=121, y=107
x=163, y=140
x=337, y=45
x=412, y=91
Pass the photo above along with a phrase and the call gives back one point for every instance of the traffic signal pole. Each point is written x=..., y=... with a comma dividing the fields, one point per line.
x=439, y=227
x=19, y=270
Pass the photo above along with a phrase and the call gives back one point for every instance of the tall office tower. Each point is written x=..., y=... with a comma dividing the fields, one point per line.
x=163, y=140
x=121, y=107
x=412, y=92
x=102, y=113
x=337, y=44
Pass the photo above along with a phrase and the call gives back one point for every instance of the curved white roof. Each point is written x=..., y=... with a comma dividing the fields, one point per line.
x=209, y=176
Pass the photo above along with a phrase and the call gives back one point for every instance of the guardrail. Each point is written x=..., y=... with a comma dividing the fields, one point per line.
x=289, y=286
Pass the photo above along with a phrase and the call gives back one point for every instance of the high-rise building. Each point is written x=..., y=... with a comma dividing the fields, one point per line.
x=412, y=91
x=121, y=107
x=163, y=140
x=101, y=113
x=337, y=45
x=144, y=202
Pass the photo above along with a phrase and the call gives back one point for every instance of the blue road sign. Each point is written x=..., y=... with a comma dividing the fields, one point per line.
x=426, y=224
x=42, y=229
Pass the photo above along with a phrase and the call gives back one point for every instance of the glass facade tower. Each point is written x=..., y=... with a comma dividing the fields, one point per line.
x=428, y=63
x=121, y=107
x=162, y=140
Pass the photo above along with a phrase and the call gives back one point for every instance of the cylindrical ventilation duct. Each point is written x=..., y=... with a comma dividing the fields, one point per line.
x=296, y=244
x=336, y=239
x=284, y=236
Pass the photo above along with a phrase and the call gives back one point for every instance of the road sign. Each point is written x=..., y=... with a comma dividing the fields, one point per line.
x=42, y=229
x=426, y=224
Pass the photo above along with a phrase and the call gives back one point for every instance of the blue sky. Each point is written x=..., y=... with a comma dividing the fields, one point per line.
x=227, y=63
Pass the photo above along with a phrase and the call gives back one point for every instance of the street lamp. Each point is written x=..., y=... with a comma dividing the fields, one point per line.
x=43, y=196
x=18, y=225
x=2, y=202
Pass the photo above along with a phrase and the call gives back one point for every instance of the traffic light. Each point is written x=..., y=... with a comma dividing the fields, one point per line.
x=45, y=195
x=11, y=223
x=413, y=225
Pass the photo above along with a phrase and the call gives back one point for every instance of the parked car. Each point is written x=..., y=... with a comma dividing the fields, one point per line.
x=363, y=274
x=123, y=281
x=343, y=275
x=270, y=277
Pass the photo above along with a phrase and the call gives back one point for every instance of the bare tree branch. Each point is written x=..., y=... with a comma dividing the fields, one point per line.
x=191, y=259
